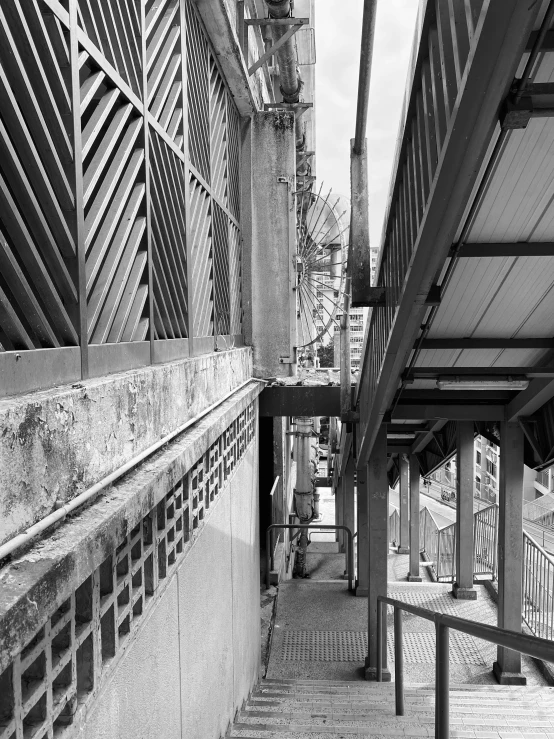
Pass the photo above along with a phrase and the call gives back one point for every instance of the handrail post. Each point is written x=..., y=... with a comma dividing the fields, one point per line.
x=398, y=662
x=380, y=607
x=442, y=682
x=267, y=556
x=350, y=560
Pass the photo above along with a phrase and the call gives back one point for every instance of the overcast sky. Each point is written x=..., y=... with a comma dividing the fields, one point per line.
x=338, y=34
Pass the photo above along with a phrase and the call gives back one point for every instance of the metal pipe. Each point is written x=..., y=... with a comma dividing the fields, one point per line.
x=290, y=81
x=398, y=663
x=366, y=53
x=41, y=526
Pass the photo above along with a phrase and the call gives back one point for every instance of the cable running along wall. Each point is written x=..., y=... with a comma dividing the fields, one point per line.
x=119, y=188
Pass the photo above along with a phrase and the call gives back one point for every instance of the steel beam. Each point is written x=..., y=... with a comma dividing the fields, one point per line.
x=492, y=343
x=464, y=412
x=502, y=35
x=284, y=400
x=431, y=373
x=438, y=397
x=499, y=249
x=426, y=437
x=529, y=401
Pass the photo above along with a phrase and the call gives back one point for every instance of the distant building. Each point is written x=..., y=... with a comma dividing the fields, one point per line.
x=374, y=258
x=487, y=467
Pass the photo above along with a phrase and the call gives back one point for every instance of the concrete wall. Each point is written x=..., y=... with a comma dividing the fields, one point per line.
x=197, y=656
x=269, y=274
x=57, y=443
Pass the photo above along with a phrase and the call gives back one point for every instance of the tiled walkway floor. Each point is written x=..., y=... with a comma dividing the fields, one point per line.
x=320, y=631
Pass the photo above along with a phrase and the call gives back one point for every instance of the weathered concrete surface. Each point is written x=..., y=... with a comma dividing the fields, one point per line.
x=142, y=697
x=56, y=443
x=39, y=581
x=220, y=20
x=271, y=266
x=196, y=654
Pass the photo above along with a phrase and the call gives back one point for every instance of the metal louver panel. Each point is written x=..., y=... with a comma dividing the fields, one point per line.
x=198, y=93
x=115, y=221
x=201, y=251
x=218, y=132
x=164, y=66
x=233, y=149
x=221, y=271
x=235, y=279
x=98, y=187
x=168, y=241
x=114, y=27
x=38, y=296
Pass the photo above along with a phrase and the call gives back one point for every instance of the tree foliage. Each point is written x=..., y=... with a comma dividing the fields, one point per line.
x=326, y=355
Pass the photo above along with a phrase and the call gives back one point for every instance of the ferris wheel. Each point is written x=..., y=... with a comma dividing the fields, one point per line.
x=322, y=233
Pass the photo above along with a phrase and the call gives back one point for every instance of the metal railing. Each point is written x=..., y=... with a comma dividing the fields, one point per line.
x=532, y=646
x=538, y=583
x=536, y=513
x=485, y=537
x=439, y=543
x=270, y=560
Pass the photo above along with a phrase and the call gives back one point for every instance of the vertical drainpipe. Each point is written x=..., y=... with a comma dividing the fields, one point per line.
x=289, y=76
x=304, y=490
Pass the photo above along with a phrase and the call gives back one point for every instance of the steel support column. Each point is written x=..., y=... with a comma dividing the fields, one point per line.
x=463, y=587
x=362, y=542
x=348, y=515
x=339, y=512
x=404, y=484
x=507, y=668
x=413, y=573
x=378, y=512
x=360, y=257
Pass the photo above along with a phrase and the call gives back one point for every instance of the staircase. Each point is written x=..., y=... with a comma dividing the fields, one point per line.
x=317, y=709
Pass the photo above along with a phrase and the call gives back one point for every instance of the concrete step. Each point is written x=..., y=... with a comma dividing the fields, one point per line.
x=325, y=709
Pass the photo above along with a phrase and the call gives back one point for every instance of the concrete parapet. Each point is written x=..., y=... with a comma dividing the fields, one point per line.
x=57, y=443
x=145, y=595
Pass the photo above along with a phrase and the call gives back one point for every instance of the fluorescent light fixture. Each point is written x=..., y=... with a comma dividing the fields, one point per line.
x=463, y=382
x=407, y=435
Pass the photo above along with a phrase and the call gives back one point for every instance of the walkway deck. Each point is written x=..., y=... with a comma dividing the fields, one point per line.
x=320, y=628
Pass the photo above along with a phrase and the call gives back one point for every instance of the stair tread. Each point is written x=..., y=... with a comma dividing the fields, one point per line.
x=325, y=709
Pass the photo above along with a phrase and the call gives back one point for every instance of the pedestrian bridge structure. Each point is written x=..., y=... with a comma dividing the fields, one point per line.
x=156, y=182
x=461, y=325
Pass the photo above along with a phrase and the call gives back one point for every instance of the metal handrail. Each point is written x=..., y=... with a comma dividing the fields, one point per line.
x=538, y=581
x=270, y=560
x=533, y=646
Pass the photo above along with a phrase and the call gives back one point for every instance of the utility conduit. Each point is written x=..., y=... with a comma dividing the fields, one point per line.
x=41, y=526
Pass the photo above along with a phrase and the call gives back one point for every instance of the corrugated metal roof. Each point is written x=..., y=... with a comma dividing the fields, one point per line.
x=506, y=297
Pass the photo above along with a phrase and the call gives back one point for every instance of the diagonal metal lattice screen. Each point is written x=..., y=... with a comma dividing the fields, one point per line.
x=119, y=184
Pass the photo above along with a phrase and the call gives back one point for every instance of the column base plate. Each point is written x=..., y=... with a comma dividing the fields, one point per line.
x=508, y=678
x=463, y=593
x=371, y=674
